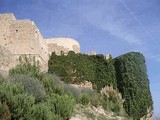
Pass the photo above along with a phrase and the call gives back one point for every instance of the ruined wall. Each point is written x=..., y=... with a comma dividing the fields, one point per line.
x=22, y=37
x=7, y=17
x=5, y=58
x=62, y=44
x=19, y=38
x=42, y=44
x=5, y=21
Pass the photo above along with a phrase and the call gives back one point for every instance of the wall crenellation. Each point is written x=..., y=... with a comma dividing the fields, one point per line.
x=22, y=37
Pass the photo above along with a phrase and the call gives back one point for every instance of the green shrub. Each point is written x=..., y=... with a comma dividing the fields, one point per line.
x=17, y=104
x=111, y=103
x=116, y=107
x=20, y=105
x=48, y=84
x=13, y=96
x=31, y=85
x=72, y=90
x=78, y=92
x=4, y=111
x=52, y=84
x=84, y=99
x=41, y=112
x=26, y=69
x=1, y=79
x=95, y=101
x=8, y=90
x=105, y=103
x=62, y=105
x=88, y=92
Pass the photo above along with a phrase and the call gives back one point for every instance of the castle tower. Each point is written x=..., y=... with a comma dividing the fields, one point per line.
x=62, y=44
x=93, y=53
x=108, y=56
x=21, y=38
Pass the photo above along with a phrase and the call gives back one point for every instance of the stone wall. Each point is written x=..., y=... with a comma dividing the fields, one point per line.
x=6, y=58
x=22, y=37
x=85, y=84
x=62, y=44
x=5, y=21
x=7, y=17
x=19, y=38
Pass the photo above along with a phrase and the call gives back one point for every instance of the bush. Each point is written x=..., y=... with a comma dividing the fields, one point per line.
x=20, y=105
x=62, y=105
x=8, y=90
x=14, y=100
x=111, y=103
x=41, y=112
x=52, y=84
x=31, y=85
x=16, y=104
x=85, y=99
x=4, y=111
x=26, y=69
x=1, y=79
x=72, y=90
x=78, y=93
x=116, y=107
x=95, y=101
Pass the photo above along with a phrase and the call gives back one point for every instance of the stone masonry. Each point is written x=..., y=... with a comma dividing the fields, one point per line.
x=59, y=45
x=20, y=38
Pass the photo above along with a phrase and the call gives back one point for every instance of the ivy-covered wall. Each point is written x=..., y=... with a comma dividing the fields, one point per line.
x=76, y=68
x=133, y=83
x=126, y=73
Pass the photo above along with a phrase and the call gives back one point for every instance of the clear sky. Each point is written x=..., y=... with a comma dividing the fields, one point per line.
x=106, y=26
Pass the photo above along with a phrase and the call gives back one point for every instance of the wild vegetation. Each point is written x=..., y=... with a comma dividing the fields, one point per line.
x=127, y=74
x=24, y=96
x=29, y=94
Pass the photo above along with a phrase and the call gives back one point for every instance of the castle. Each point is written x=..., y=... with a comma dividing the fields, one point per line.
x=19, y=38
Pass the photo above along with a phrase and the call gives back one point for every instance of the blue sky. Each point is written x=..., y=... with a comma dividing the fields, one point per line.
x=105, y=26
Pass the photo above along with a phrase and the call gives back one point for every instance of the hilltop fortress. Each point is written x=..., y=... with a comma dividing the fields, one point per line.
x=19, y=38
